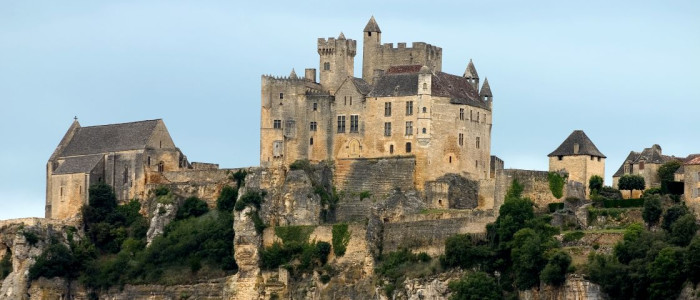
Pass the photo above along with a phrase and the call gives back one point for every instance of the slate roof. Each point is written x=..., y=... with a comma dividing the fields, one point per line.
x=694, y=161
x=688, y=159
x=630, y=157
x=79, y=164
x=362, y=85
x=652, y=155
x=470, y=72
x=372, y=26
x=585, y=146
x=486, y=89
x=403, y=81
x=109, y=138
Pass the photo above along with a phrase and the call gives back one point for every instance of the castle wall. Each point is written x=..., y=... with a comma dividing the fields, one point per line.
x=348, y=103
x=378, y=175
x=68, y=193
x=381, y=57
x=535, y=186
x=579, y=167
x=691, y=180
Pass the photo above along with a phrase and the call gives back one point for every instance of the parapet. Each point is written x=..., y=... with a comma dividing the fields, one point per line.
x=329, y=46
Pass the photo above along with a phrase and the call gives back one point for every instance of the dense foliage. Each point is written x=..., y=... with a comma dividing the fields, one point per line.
x=295, y=251
x=556, y=184
x=631, y=182
x=340, y=239
x=652, y=210
x=595, y=184
x=666, y=173
x=651, y=264
x=227, y=199
x=115, y=253
x=394, y=266
x=475, y=286
x=6, y=265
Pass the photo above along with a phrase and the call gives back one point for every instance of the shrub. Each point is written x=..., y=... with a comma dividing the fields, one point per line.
x=308, y=255
x=161, y=191
x=393, y=266
x=475, y=286
x=6, y=265
x=239, y=178
x=254, y=198
x=257, y=222
x=595, y=184
x=227, y=199
x=573, y=236
x=672, y=214
x=626, y=203
x=341, y=238
x=463, y=251
x=554, y=272
x=652, y=210
x=610, y=193
x=528, y=257
x=300, y=164
x=30, y=237
x=192, y=207
x=364, y=195
x=56, y=261
x=556, y=184
x=294, y=234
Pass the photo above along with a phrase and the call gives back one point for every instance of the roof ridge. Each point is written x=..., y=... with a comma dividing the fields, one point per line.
x=142, y=121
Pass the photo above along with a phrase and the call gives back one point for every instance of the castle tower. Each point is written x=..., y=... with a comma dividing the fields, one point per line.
x=579, y=157
x=337, y=61
x=370, y=46
x=471, y=74
x=486, y=94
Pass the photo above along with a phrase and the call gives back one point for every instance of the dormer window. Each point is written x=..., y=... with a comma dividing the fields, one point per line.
x=576, y=148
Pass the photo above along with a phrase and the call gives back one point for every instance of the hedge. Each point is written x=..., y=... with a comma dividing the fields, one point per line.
x=623, y=203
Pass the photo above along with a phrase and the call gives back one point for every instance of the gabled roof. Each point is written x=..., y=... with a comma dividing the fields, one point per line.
x=630, y=157
x=79, y=164
x=585, y=146
x=403, y=81
x=372, y=26
x=110, y=138
x=486, y=89
x=693, y=161
x=651, y=155
x=362, y=86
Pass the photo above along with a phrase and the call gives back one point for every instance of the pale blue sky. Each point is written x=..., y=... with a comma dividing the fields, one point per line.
x=623, y=71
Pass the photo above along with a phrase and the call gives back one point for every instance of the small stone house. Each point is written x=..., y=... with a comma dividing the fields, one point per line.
x=578, y=157
x=645, y=164
x=691, y=181
x=127, y=156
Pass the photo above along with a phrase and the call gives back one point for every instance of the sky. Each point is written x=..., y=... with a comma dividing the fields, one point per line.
x=625, y=72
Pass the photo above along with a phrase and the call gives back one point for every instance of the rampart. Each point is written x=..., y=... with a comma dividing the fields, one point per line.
x=378, y=175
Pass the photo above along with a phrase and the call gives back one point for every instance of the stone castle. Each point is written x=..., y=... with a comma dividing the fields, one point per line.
x=403, y=106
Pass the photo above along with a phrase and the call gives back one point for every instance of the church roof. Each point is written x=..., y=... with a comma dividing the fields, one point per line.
x=110, y=138
x=486, y=89
x=403, y=81
x=78, y=164
x=372, y=26
x=585, y=146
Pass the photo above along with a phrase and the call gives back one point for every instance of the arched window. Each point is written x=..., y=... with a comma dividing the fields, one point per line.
x=425, y=109
x=424, y=130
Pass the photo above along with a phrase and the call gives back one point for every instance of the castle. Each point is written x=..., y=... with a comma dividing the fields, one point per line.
x=403, y=106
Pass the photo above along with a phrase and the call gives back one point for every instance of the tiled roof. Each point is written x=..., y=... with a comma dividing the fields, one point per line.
x=630, y=157
x=694, y=161
x=403, y=81
x=79, y=164
x=110, y=138
x=585, y=146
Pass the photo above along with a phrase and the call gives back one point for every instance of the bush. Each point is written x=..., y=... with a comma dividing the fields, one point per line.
x=528, y=257
x=573, y=236
x=672, y=214
x=6, y=265
x=595, y=184
x=341, y=238
x=308, y=255
x=364, y=195
x=192, y=207
x=239, y=178
x=475, y=286
x=30, y=237
x=227, y=199
x=554, y=272
x=161, y=191
x=257, y=222
x=254, y=198
x=300, y=164
x=683, y=230
x=464, y=252
x=609, y=193
x=294, y=234
x=652, y=210
x=555, y=206
x=56, y=261
x=556, y=184
x=393, y=266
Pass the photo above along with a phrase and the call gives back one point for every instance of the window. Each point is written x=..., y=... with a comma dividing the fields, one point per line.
x=161, y=167
x=409, y=108
x=391, y=149
x=471, y=115
x=345, y=100
x=477, y=142
x=476, y=164
x=277, y=124
x=560, y=157
x=461, y=113
x=326, y=66
x=408, y=147
x=350, y=100
x=627, y=169
x=281, y=95
x=387, y=128
x=598, y=158
x=315, y=106
x=126, y=175
x=409, y=128
x=313, y=126
x=592, y=157
x=461, y=139
x=341, y=124
x=148, y=161
x=311, y=141
x=477, y=116
x=450, y=159
x=354, y=123
x=425, y=109
x=61, y=193
x=387, y=109
x=641, y=165
x=424, y=130
x=425, y=86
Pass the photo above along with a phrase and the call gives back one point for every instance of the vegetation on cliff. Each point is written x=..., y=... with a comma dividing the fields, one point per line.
x=295, y=252
x=196, y=244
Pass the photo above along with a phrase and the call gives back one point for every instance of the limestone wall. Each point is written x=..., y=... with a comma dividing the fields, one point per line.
x=535, y=186
x=380, y=176
x=579, y=167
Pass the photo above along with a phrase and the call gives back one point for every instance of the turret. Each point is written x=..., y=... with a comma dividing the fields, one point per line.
x=425, y=81
x=337, y=60
x=370, y=46
x=471, y=74
x=485, y=93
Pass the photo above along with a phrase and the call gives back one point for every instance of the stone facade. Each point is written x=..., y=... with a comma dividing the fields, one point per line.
x=645, y=164
x=578, y=157
x=127, y=156
x=402, y=106
x=691, y=180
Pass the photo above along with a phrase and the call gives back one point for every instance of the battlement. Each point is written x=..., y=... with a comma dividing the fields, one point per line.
x=414, y=46
x=331, y=45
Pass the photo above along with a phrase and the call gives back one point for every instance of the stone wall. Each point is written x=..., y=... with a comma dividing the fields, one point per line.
x=579, y=167
x=535, y=186
x=378, y=175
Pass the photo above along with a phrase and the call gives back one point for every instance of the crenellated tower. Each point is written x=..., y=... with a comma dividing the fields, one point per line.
x=337, y=60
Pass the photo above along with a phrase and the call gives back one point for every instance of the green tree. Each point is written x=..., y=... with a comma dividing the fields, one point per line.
x=554, y=272
x=475, y=286
x=192, y=207
x=631, y=182
x=692, y=260
x=595, y=184
x=528, y=258
x=683, y=230
x=672, y=214
x=462, y=251
x=666, y=274
x=652, y=210
x=666, y=172
x=227, y=199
